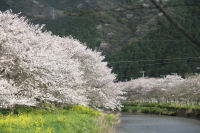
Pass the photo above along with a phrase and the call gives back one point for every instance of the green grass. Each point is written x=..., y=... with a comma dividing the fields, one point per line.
x=70, y=119
x=171, y=109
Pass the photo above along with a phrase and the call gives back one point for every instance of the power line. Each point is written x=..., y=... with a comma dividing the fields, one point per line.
x=119, y=75
x=142, y=6
x=153, y=64
x=143, y=65
x=148, y=40
x=120, y=8
x=163, y=41
x=140, y=66
x=151, y=60
x=131, y=76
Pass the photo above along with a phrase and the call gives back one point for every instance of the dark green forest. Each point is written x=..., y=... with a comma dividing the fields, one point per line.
x=135, y=40
x=162, y=51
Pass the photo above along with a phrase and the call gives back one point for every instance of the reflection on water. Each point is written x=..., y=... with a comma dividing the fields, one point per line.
x=156, y=124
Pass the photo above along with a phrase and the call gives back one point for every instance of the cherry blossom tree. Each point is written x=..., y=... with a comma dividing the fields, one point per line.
x=172, y=88
x=147, y=89
x=189, y=90
x=48, y=68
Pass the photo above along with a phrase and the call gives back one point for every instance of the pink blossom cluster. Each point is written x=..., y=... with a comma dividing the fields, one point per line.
x=36, y=65
x=171, y=88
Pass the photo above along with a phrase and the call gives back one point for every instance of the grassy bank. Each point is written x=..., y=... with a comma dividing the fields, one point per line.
x=162, y=109
x=70, y=119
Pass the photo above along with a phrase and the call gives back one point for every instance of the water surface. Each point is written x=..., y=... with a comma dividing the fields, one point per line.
x=157, y=124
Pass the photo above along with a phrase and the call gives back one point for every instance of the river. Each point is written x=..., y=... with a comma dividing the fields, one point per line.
x=156, y=124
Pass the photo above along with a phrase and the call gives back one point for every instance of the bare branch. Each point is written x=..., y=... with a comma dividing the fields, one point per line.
x=177, y=25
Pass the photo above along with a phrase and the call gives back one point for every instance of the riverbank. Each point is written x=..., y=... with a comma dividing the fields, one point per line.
x=169, y=109
x=69, y=119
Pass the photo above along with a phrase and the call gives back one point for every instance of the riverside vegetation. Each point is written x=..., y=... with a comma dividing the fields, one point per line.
x=171, y=109
x=171, y=95
x=68, y=119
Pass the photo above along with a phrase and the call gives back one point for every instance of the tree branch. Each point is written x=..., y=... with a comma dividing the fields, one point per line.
x=177, y=25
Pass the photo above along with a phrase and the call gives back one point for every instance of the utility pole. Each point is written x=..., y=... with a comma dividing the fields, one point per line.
x=162, y=76
x=53, y=14
x=175, y=74
x=143, y=72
